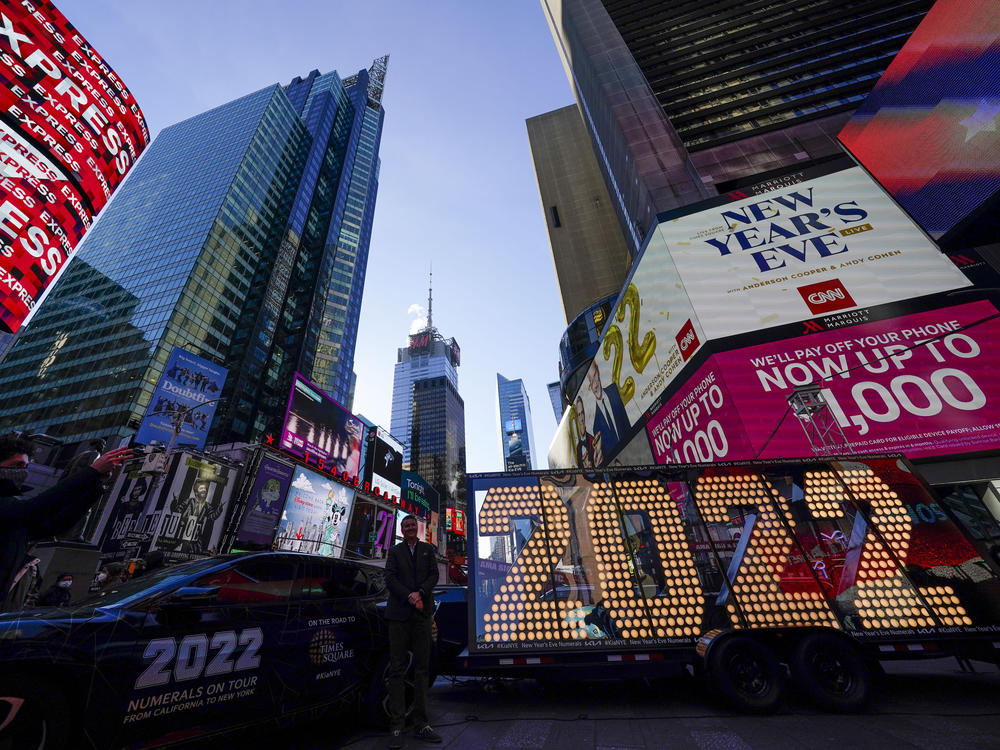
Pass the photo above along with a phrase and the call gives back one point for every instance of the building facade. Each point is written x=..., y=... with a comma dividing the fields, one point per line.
x=242, y=236
x=683, y=100
x=428, y=416
x=516, y=432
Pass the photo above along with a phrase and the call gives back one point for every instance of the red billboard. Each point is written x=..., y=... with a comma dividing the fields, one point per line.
x=928, y=130
x=923, y=384
x=69, y=133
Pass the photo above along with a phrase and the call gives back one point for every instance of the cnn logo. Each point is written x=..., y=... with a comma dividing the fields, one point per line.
x=826, y=296
x=687, y=340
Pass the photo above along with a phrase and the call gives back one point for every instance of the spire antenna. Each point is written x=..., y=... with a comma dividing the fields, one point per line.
x=430, y=299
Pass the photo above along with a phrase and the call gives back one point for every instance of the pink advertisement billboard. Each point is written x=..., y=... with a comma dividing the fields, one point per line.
x=923, y=384
x=700, y=423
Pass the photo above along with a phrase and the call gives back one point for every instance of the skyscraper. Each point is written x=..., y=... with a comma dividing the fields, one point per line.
x=516, y=433
x=241, y=236
x=685, y=99
x=428, y=414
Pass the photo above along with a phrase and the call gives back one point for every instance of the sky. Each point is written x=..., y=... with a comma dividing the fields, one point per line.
x=457, y=189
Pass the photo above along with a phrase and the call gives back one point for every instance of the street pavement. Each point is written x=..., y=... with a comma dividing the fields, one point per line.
x=931, y=704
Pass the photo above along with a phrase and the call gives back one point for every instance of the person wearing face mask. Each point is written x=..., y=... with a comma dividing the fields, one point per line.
x=45, y=515
x=58, y=594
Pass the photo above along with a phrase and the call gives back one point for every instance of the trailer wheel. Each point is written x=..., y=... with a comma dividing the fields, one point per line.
x=831, y=672
x=746, y=673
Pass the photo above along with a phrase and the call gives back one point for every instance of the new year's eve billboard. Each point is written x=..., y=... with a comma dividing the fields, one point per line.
x=923, y=384
x=831, y=243
x=69, y=132
x=319, y=429
x=188, y=381
x=928, y=131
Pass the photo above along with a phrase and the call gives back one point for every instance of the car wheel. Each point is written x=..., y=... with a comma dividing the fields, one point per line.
x=32, y=716
x=831, y=672
x=746, y=673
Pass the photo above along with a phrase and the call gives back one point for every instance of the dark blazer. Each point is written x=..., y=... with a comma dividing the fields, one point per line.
x=610, y=436
x=402, y=577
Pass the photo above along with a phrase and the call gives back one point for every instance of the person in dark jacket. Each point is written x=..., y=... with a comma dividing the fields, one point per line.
x=58, y=594
x=48, y=513
x=411, y=573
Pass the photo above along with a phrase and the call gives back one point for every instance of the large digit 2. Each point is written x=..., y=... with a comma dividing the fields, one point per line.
x=639, y=354
x=884, y=598
x=613, y=340
x=678, y=612
x=161, y=651
x=756, y=582
x=518, y=612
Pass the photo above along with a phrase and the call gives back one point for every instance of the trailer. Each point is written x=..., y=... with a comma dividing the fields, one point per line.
x=756, y=575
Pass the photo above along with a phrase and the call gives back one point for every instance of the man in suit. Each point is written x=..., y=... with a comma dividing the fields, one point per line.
x=411, y=573
x=610, y=419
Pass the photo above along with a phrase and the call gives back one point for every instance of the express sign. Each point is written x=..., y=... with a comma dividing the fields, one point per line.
x=69, y=132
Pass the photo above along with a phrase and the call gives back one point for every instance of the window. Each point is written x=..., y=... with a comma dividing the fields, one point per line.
x=256, y=580
x=331, y=579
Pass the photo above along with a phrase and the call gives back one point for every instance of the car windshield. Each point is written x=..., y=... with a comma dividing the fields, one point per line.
x=122, y=594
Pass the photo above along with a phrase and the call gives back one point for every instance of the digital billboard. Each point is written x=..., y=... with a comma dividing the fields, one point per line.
x=834, y=243
x=830, y=243
x=653, y=559
x=928, y=131
x=119, y=520
x=315, y=515
x=386, y=464
x=264, y=506
x=188, y=381
x=923, y=384
x=319, y=429
x=69, y=132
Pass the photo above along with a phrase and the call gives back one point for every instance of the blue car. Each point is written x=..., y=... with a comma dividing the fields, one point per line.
x=193, y=650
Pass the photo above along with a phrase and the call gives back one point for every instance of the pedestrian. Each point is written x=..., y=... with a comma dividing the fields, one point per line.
x=58, y=594
x=411, y=573
x=48, y=513
x=80, y=461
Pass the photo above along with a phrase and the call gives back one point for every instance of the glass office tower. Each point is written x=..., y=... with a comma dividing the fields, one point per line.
x=516, y=434
x=242, y=236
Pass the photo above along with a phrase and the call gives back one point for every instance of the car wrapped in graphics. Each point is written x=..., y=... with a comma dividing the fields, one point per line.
x=193, y=650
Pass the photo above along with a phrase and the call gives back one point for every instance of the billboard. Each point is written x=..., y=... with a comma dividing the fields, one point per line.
x=318, y=428
x=939, y=98
x=827, y=244
x=189, y=517
x=386, y=464
x=418, y=497
x=118, y=528
x=187, y=382
x=264, y=506
x=831, y=244
x=315, y=516
x=69, y=133
x=923, y=384
x=652, y=559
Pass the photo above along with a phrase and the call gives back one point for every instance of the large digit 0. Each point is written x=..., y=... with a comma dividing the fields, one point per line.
x=678, y=612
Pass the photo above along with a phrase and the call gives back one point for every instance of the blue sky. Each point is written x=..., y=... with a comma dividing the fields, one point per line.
x=457, y=187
